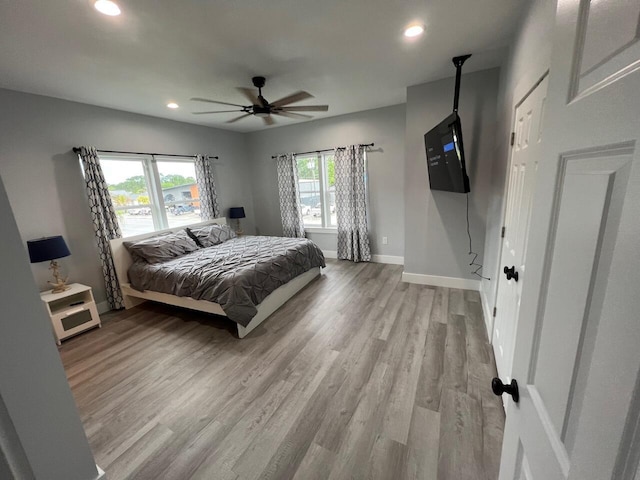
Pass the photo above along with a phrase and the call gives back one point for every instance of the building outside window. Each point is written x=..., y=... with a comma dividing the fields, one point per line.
x=151, y=194
x=316, y=176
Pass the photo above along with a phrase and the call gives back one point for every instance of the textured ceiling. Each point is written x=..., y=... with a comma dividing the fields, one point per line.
x=350, y=54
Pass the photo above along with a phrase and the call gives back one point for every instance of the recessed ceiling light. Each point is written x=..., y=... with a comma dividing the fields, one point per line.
x=107, y=7
x=414, y=30
x=172, y=105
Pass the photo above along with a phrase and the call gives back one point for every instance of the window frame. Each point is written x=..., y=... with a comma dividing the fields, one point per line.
x=153, y=182
x=323, y=179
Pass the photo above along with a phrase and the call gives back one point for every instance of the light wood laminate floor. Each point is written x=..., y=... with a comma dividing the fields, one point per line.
x=358, y=376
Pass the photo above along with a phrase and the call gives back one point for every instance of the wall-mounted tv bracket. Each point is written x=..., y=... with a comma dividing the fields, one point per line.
x=458, y=62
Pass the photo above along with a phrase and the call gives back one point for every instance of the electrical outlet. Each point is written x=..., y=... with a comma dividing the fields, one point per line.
x=385, y=240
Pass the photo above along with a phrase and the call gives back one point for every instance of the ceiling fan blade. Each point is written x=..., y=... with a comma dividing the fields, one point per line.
x=307, y=108
x=216, y=111
x=290, y=114
x=197, y=99
x=268, y=120
x=240, y=117
x=250, y=94
x=293, y=98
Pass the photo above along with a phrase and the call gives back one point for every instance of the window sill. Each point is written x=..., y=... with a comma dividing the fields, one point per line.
x=332, y=230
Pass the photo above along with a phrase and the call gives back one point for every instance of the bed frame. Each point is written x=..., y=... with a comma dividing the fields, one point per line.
x=133, y=297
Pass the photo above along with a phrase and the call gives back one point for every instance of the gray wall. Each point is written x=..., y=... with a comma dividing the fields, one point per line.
x=528, y=60
x=44, y=181
x=436, y=241
x=383, y=126
x=33, y=385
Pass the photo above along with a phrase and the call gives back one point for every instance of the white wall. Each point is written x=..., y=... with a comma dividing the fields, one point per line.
x=436, y=241
x=528, y=60
x=383, y=126
x=33, y=385
x=44, y=181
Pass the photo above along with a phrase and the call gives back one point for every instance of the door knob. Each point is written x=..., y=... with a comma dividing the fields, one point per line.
x=512, y=388
x=511, y=273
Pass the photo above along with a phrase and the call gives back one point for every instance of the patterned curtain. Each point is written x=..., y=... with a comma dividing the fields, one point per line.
x=105, y=221
x=290, y=211
x=209, y=208
x=351, y=204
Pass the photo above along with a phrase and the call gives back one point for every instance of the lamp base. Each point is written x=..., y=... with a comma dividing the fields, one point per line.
x=59, y=287
x=239, y=231
x=59, y=284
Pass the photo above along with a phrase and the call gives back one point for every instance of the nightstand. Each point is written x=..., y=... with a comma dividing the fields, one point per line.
x=71, y=312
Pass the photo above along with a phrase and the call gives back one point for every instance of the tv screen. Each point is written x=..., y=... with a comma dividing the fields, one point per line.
x=445, y=156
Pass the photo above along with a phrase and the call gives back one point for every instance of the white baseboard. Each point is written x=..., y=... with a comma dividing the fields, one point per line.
x=389, y=259
x=438, y=281
x=488, y=313
x=101, y=474
x=103, y=307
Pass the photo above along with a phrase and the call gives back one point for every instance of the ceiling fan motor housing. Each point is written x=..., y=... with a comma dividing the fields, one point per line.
x=258, y=82
x=260, y=111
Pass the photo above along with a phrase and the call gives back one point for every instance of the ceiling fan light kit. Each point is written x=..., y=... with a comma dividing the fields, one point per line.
x=260, y=106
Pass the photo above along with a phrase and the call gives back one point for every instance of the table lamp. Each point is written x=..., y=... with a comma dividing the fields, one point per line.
x=237, y=213
x=49, y=249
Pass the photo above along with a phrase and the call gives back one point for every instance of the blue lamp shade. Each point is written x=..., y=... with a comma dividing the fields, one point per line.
x=48, y=248
x=236, y=212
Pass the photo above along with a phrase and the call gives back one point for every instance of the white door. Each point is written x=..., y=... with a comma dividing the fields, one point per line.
x=577, y=355
x=522, y=179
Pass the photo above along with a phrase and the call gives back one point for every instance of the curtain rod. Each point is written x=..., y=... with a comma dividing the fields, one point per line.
x=77, y=150
x=327, y=149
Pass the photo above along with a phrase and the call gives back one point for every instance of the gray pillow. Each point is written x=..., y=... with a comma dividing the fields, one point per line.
x=162, y=247
x=211, y=235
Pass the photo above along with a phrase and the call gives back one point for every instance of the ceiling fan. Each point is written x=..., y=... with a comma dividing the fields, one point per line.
x=260, y=107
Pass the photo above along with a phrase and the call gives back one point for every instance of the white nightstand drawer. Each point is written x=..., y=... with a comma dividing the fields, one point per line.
x=71, y=312
x=74, y=320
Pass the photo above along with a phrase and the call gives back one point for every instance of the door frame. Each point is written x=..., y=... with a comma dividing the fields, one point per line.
x=521, y=92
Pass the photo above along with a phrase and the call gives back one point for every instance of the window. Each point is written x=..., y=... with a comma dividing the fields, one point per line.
x=151, y=194
x=316, y=176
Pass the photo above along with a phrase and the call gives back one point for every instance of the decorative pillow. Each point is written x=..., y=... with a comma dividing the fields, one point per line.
x=162, y=247
x=211, y=235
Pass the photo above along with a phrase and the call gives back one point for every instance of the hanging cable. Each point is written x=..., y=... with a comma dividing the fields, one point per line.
x=471, y=252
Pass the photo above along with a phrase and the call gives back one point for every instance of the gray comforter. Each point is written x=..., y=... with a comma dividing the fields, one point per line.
x=237, y=274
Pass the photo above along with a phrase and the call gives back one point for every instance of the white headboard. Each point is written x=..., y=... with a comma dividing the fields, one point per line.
x=121, y=258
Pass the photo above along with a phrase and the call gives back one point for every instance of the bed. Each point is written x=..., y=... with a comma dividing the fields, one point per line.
x=279, y=267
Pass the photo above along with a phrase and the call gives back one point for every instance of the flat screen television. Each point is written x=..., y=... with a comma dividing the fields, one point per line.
x=445, y=156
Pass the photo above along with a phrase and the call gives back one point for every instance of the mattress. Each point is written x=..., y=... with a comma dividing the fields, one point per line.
x=237, y=274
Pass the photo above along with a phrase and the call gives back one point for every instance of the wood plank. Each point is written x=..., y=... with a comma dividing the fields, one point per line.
x=460, y=454
x=316, y=465
x=156, y=466
x=493, y=415
x=387, y=459
x=432, y=371
x=364, y=427
x=472, y=296
x=492, y=433
x=423, y=445
x=455, y=355
x=478, y=346
x=456, y=302
x=440, y=311
x=226, y=452
x=388, y=315
x=340, y=386
x=397, y=419
x=143, y=450
x=253, y=461
x=346, y=399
